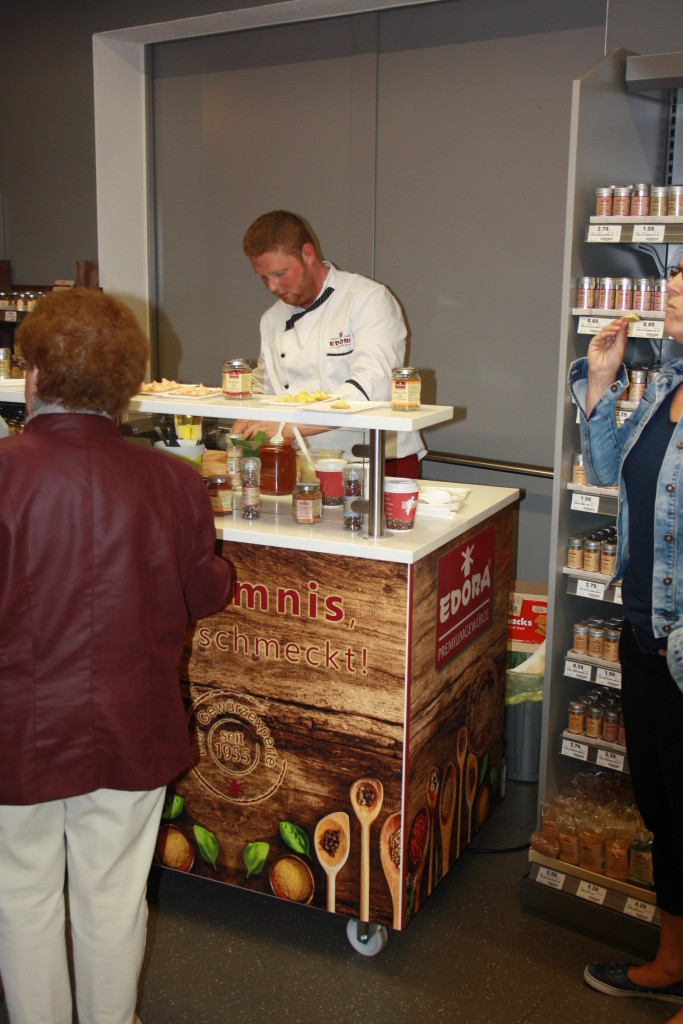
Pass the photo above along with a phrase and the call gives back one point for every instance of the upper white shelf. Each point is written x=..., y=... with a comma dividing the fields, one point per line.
x=361, y=415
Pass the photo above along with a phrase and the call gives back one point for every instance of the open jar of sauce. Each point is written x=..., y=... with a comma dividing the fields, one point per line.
x=278, y=467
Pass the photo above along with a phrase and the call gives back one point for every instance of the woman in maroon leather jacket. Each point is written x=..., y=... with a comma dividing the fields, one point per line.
x=106, y=553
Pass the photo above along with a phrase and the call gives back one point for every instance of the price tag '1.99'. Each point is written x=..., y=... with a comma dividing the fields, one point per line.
x=648, y=233
x=585, y=502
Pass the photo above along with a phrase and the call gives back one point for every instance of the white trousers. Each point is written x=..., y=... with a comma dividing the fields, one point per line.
x=104, y=841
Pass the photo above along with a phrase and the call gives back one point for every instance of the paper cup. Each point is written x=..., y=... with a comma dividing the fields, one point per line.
x=400, y=502
x=193, y=455
x=329, y=473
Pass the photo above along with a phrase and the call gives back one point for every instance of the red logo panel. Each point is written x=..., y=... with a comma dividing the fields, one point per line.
x=464, y=594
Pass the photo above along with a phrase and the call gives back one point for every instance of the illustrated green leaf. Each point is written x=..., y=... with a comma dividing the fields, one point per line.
x=207, y=843
x=173, y=807
x=254, y=856
x=295, y=838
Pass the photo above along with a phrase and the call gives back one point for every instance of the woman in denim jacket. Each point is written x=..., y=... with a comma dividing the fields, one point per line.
x=645, y=458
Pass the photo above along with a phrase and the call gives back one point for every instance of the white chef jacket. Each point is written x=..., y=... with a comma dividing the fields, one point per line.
x=348, y=347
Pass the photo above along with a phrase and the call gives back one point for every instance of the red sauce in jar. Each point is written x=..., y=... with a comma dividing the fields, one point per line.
x=278, y=467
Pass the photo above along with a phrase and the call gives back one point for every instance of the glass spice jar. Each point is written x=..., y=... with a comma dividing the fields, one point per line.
x=610, y=648
x=236, y=378
x=594, y=721
x=585, y=292
x=575, y=553
x=659, y=201
x=604, y=201
x=580, y=634
x=250, y=476
x=406, y=385
x=623, y=294
x=640, y=200
x=578, y=470
x=596, y=641
x=307, y=502
x=642, y=294
x=577, y=717
x=621, y=204
x=606, y=293
x=659, y=294
x=608, y=557
x=637, y=382
x=591, y=555
x=610, y=725
x=220, y=492
x=278, y=466
x=352, y=477
x=675, y=201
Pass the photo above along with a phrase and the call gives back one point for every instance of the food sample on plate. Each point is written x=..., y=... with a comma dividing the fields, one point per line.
x=305, y=396
x=341, y=404
x=172, y=387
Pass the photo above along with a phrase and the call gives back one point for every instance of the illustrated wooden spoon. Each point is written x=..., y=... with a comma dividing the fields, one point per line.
x=471, y=789
x=332, y=841
x=446, y=813
x=461, y=752
x=433, y=782
x=418, y=848
x=390, y=854
x=366, y=799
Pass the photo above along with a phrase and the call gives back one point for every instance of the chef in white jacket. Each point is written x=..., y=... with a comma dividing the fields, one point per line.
x=329, y=330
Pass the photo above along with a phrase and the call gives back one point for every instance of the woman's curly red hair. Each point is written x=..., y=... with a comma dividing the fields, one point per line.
x=88, y=348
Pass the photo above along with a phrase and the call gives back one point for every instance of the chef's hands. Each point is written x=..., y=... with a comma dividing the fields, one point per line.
x=250, y=428
x=605, y=356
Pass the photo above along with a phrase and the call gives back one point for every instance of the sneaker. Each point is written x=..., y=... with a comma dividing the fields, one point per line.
x=613, y=980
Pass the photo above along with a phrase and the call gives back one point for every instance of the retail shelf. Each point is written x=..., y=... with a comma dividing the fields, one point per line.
x=584, y=748
x=647, y=230
x=12, y=316
x=633, y=900
x=600, y=500
x=594, y=585
x=596, y=671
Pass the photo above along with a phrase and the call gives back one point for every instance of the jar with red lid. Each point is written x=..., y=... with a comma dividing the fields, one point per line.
x=278, y=467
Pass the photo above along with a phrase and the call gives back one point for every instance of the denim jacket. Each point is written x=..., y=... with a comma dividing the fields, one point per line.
x=605, y=446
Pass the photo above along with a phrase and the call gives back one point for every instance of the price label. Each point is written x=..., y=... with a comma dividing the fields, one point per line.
x=640, y=909
x=610, y=759
x=604, y=233
x=577, y=670
x=617, y=595
x=646, y=329
x=592, y=324
x=585, y=502
x=623, y=415
x=608, y=677
x=550, y=877
x=648, y=233
x=11, y=315
x=572, y=748
x=591, y=892
x=590, y=588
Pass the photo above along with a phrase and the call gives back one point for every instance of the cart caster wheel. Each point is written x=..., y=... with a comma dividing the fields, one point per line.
x=366, y=939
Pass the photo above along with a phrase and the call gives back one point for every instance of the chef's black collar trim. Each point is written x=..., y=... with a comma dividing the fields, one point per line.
x=323, y=297
x=355, y=383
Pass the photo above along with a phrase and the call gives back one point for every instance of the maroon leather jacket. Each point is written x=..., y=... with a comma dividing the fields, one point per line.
x=106, y=552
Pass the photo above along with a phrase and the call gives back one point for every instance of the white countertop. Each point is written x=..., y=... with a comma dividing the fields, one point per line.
x=329, y=537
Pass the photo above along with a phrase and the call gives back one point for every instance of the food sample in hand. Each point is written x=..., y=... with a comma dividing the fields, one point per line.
x=631, y=317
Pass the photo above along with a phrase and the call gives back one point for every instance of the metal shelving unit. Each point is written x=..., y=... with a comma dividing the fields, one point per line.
x=615, y=138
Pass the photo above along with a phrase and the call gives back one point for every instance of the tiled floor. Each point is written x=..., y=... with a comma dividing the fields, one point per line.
x=221, y=956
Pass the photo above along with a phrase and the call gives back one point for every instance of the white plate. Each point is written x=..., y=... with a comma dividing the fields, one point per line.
x=213, y=393
x=279, y=402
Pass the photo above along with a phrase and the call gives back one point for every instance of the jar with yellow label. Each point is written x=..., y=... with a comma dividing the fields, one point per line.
x=220, y=492
x=406, y=387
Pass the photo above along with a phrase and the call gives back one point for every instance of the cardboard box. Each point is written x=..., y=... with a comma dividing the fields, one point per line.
x=527, y=616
